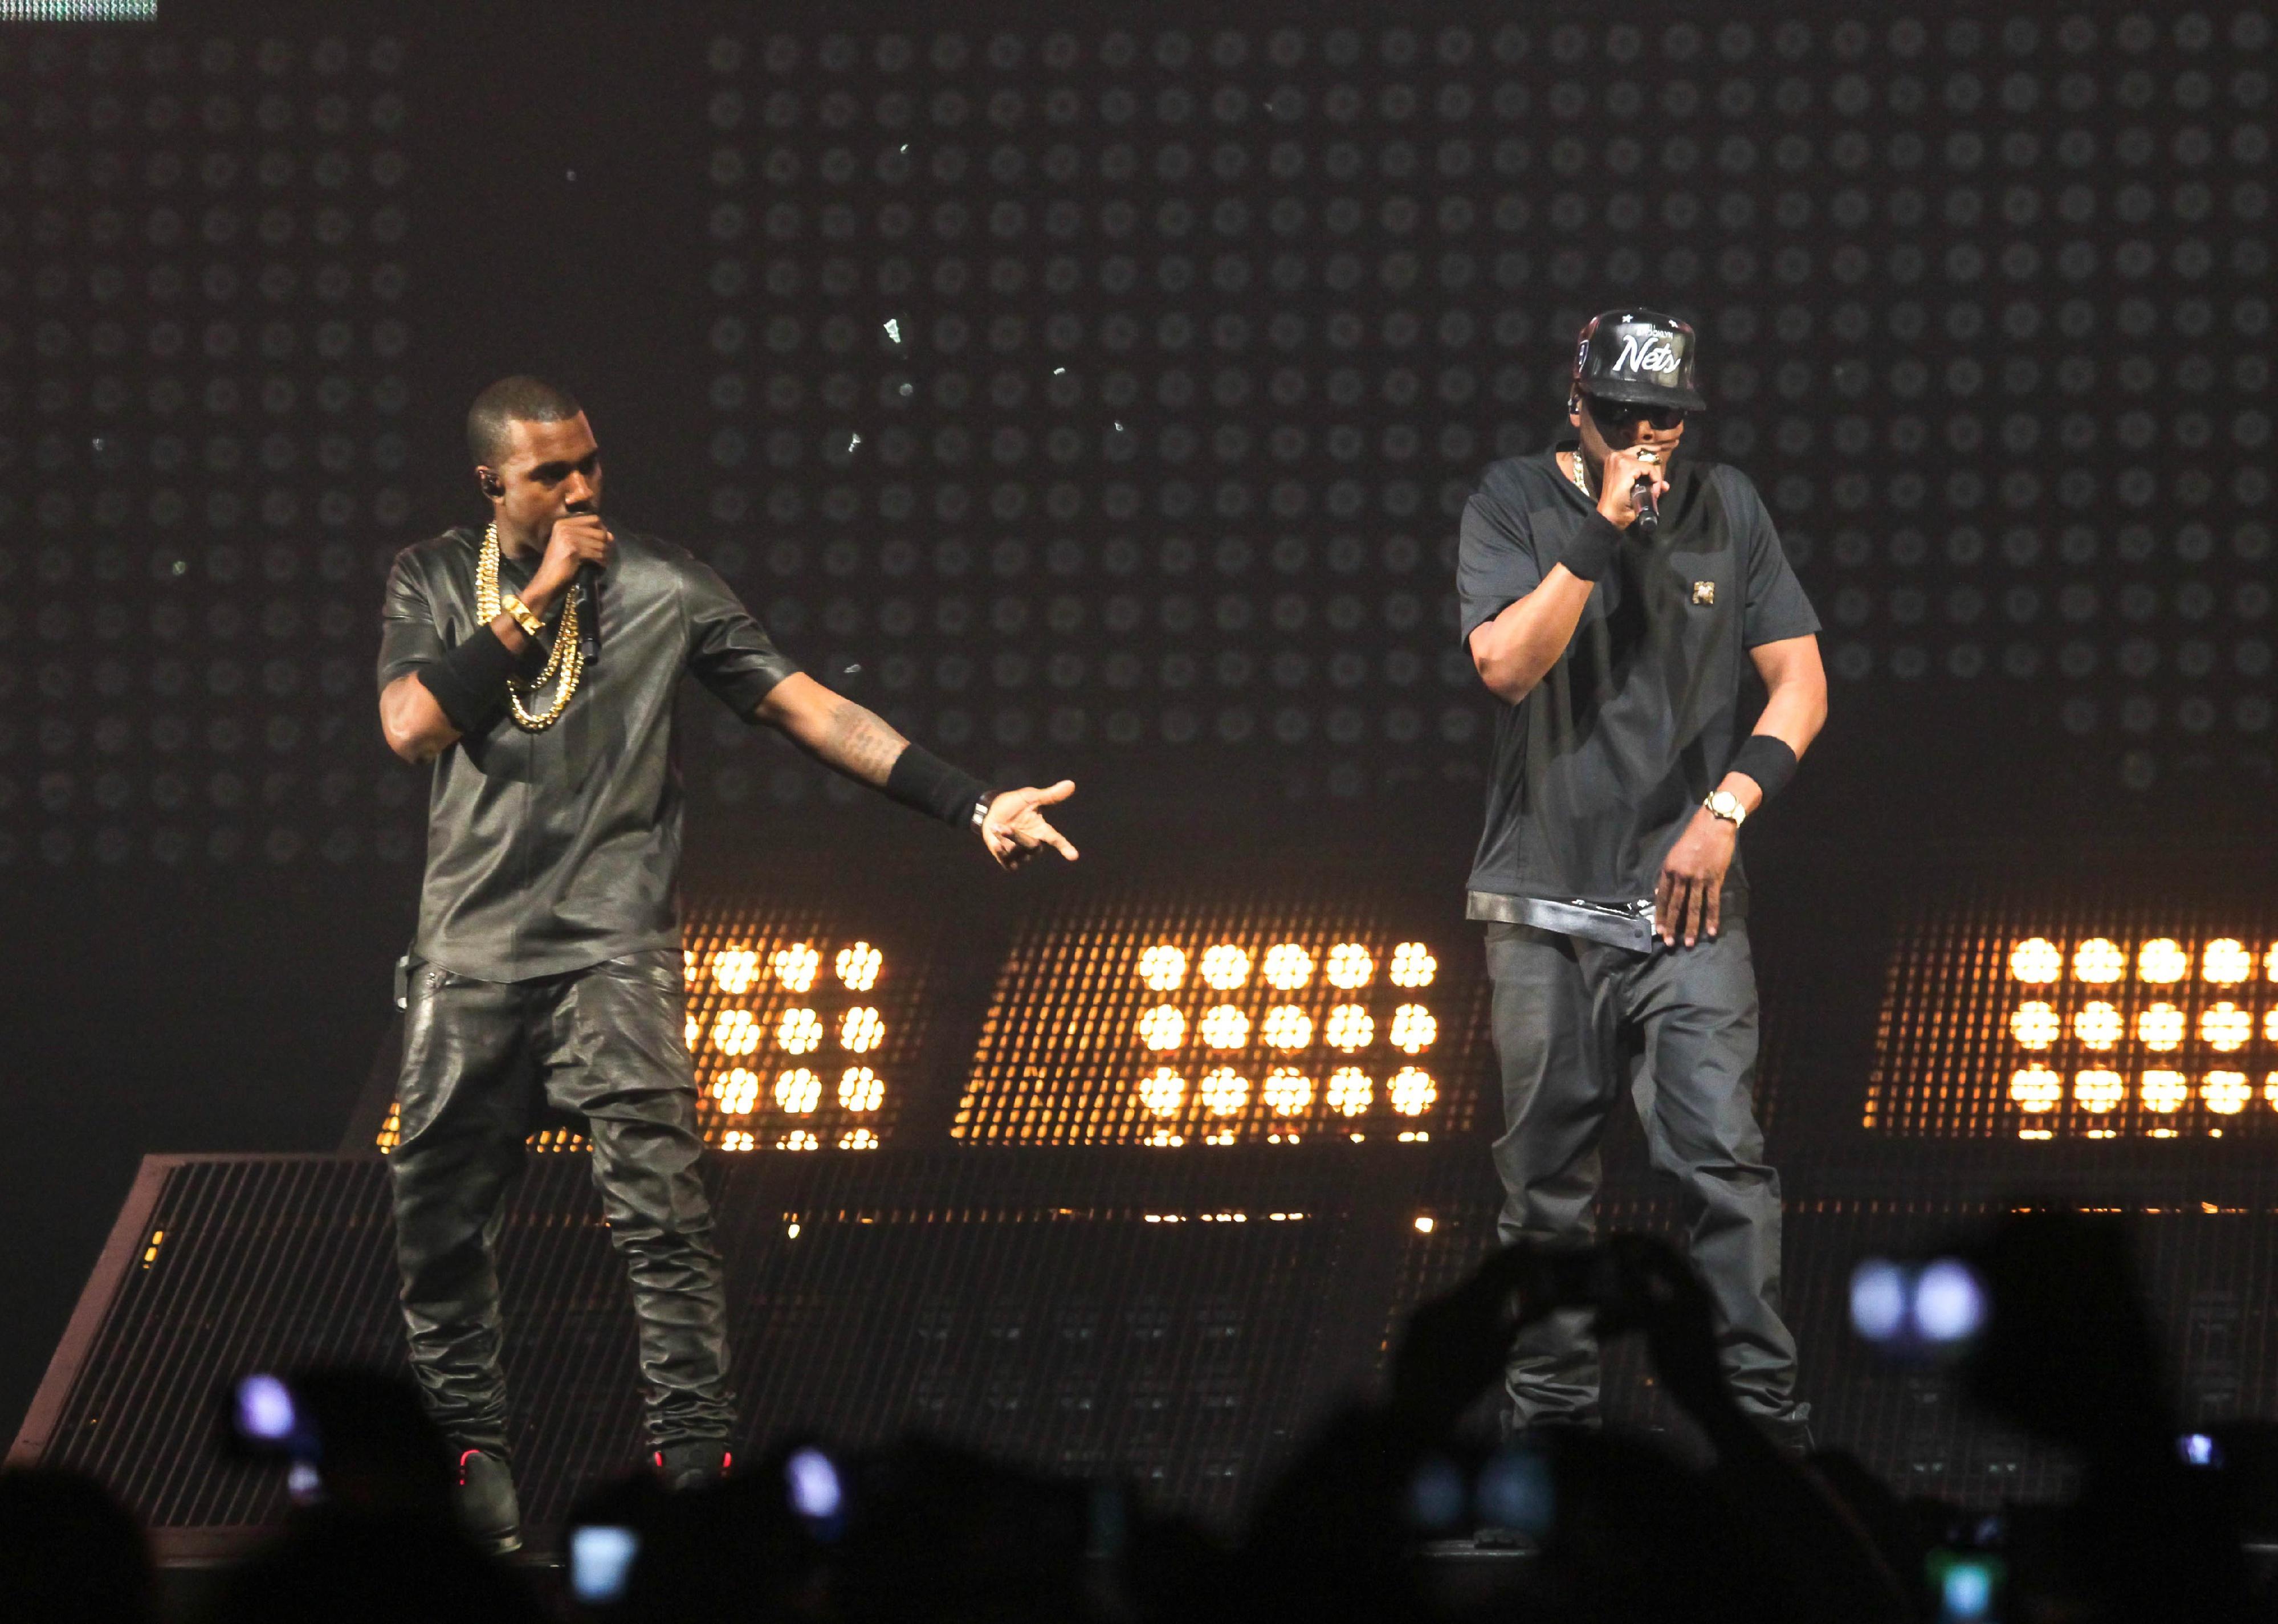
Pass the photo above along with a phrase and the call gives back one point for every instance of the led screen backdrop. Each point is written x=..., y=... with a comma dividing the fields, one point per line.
x=1116, y=390
x=1103, y=399
x=206, y=316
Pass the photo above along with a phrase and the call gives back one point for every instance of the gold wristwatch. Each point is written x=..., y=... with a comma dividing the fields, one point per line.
x=530, y=623
x=1723, y=804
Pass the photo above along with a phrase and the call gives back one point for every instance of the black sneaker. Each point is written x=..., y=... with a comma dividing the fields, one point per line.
x=692, y=1465
x=487, y=1509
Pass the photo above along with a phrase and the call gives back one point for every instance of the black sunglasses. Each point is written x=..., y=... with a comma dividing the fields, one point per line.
x=1622, y=414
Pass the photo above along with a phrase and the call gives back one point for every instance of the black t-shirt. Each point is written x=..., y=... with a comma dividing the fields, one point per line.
x=1598, y=770
x=548, y=852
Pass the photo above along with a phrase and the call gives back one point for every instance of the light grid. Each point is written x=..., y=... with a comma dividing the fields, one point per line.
x=2110, y=1025
x=803, y=1035
x=202, y=432
x=1199, y=335
x=79, y=11
x=1221, y=1026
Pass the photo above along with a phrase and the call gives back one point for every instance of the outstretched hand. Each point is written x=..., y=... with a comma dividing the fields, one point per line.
x=1014, y=826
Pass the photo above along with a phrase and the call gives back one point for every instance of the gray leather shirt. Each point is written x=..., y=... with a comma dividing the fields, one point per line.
x=552, y=851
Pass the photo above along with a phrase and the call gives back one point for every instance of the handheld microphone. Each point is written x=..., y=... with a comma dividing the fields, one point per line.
x=1648, y=512
x=589, y=620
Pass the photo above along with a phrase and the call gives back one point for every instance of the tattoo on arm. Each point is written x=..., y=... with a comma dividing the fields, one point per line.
x=859, y=744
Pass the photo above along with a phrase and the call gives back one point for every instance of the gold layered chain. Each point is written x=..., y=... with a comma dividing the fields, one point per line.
x=565, y=661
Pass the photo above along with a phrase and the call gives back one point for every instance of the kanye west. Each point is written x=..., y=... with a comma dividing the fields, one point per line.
x=548, y=939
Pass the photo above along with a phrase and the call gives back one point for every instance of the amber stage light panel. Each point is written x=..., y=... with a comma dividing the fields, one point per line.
x=1223, y=1025
x=802, y=1032
x=2131, y=1025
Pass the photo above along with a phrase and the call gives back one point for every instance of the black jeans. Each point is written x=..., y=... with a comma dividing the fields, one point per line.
x=608, y=1045
x=1576, y=1020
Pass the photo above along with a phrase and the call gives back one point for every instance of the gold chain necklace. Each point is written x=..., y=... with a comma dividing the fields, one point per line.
x=566, y=661
x=1575, y=474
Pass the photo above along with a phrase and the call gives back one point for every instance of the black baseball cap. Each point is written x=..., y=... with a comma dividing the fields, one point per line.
x=1638, y=355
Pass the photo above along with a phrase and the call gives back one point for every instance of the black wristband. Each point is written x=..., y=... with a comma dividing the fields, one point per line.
x=1766, y=759
x=1591, y=554
x=925, y=782
x=469, y=682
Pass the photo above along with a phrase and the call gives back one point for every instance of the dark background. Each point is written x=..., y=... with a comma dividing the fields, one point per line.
x=1981, y=298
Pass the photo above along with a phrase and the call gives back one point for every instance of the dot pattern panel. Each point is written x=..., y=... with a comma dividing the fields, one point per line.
x=1135, y=1024
x=2089, y=1023
x=206, y=316
x=1106, y=390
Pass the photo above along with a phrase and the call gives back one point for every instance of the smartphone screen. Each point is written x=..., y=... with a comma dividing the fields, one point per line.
x=600, y=1559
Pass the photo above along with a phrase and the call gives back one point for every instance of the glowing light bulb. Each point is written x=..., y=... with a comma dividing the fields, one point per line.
x=2098, y=961
x=1224, y=1026
x=1349, y=1090
x=858, y=1139
x=1286, y=1026
x=1413, y=1028
x=2224, y=1026
x=1162, y=1092
x=735, y=970
x=857, y=965
x=1413, y=965
x=860, y=1030
x=736, y=1033
x=799, y=1031
x=2037, y=960
x=1411, y=1090
x=690, y=1029
x=799, y=1138
x=2098, y=1025
x=2227, y=1091
x=1224, y=1091
x=2159, y=1026
x=2165, y=1091
x=1350, y=1027
x=2036, y=1088
x=1350, y=965
x=1163, y=968
x=795, y=967
x=2098, y=1090
x=1224, y=967
x=2034, y=1023
x=861, y=1089
x=2270, y=1025
x=1287, y=1091
x=737, y=1092
x=737, y=1140
x=2225, y=962
x=799, y=1091
x=1163, y=1027
x=2162, y=961
x=1288, y=967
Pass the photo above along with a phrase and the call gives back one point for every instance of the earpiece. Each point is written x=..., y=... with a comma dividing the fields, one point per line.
x=1573, y=404
x=491, y=486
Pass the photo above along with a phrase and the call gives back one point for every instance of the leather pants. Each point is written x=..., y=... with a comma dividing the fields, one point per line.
x=1575, y=1023
x=607, y=1045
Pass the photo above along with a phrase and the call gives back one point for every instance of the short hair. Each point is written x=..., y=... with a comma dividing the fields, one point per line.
x=513, y=400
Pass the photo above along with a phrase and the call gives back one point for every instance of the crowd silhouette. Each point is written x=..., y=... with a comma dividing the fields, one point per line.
x=1598, y=1525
